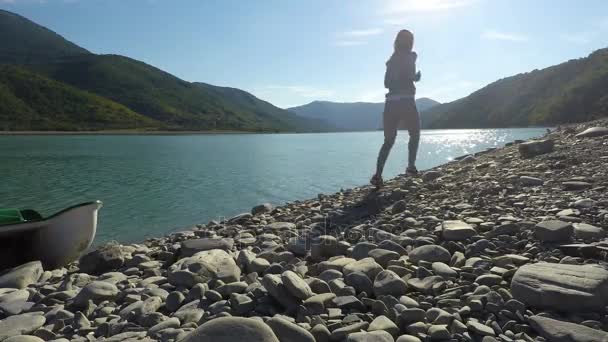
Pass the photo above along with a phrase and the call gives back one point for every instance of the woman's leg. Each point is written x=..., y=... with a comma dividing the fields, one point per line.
x=390, y=122
x=414, y=131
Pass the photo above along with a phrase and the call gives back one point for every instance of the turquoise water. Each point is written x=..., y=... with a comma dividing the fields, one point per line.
x=151, y=185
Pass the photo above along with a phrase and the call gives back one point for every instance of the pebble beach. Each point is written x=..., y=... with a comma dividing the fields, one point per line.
x=508, y=244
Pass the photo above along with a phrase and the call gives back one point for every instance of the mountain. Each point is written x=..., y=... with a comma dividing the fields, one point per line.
x=165, y=100
x=353, y=116
x=23, y=41
x=29, y=101
x=161, y=96
x=574, y=91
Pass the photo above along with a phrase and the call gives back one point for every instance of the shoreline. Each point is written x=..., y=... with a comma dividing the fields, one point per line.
x=497, y=246
x=129, y=132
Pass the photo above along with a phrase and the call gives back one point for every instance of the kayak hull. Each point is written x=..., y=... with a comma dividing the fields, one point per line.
x=55, y=241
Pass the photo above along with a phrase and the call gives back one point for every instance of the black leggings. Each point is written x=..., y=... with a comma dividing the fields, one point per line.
x=395, y=112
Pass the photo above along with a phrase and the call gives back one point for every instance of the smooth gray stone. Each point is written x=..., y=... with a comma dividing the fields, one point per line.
x=287, y=331
x=424, y=285
x=576, y=185
x=15, y=302
x=24, y=338
x=321, y=333
x=593, y=132
x=383, y=256
x=586, y=231
x=559, y=331
x=366, y=265
x=277, y=290
x=296, y=285
x=361, y=250
x=193, y=246
x=536, y=147
x=442, y=269
x=97, y=291
x=20, y=325
x=562, y=287
x=21, y=276
x=480, y=329
x=389, y=283
x=189, y=315
x=107, y=257
x=553, y=231
x=262, y=209
x=374, y=336
x=280, y=226
x=232, y=329
x=457, y=230
x=360, y=282
x=203, y=267
x=430, y=253
x=530, y=181
x=172, y=322
x=385, y=324
x=431, y=175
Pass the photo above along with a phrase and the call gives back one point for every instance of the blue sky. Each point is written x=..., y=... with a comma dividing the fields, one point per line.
x=294, y=52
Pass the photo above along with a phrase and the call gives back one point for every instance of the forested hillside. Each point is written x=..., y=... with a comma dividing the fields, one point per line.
x=573, y=91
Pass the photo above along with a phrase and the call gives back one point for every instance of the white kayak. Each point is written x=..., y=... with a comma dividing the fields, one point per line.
x=55, y=240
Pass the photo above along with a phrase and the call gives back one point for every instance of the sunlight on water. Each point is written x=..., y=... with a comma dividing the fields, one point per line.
x=151, y=185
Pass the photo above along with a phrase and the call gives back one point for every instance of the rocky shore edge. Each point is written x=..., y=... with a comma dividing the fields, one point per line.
x=505, y=245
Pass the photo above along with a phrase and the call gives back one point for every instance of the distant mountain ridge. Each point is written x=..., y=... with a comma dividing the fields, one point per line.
x=165, y=101
x=352, y=116
x=574, y=91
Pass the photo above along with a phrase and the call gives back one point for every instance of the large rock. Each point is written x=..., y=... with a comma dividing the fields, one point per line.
x=389, y=283
x=553, y=231
x=367, y=266
x=108, y=257
x=559, y=331
x=96, y=291
x=191, y=247
x=296, y=285
x=374, y=336
x=593, y=132
x=232, y=329
x=430, y=253
x=278, y=227
x=277, y=290
x=22, y=276
x=536, y=147
x=576, y=185
x=562, y=287
x=20, y=325
x=24, y=338
x=287, y=331
x=530, y=181
x=203, y=267
x=457, y=230
x=262, y=209
x=588, y=232
x=15, y=302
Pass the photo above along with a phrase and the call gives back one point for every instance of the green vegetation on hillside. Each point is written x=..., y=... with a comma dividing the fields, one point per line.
x=32, y=102
x=145, y=90
x=23, y=41
x=573, y=91
x=166, y=98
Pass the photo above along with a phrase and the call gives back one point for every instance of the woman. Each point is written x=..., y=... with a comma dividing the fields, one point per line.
x=400, y=105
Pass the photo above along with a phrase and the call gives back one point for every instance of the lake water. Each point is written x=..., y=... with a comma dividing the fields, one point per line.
x=151, y=185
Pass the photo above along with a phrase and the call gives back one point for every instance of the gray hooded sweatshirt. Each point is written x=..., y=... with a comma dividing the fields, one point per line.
x=401, y=74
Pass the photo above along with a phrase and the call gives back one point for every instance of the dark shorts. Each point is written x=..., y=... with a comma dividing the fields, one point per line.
x=401, y=113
